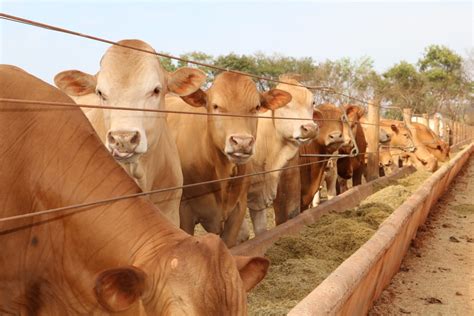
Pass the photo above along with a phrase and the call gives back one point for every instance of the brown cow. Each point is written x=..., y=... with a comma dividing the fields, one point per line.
x=352, y=167
x=117, y=258
x=298, y=187
x=217, y=147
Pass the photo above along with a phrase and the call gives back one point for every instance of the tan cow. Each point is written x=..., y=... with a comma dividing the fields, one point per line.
x=217, y=147
x=298, y=186
x=432, y=142
x=120, y=258
x=277, y=142
x=140, y=141
x=407, y=145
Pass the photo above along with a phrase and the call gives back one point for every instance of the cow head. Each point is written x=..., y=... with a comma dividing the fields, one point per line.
x=198, y=276
x=301, y=106
x=328, y=118
x=235, y=94
x=132, y=79
x=354, y=113
x=432, y=142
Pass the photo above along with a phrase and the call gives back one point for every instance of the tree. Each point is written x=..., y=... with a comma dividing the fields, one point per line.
x=448, y=85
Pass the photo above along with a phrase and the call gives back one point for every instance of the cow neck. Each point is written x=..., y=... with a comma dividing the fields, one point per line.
x=273, y=151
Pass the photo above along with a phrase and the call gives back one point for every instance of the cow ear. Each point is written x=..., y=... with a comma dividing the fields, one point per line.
x=118, y=289
x=196, y=99
x=185, y=81
x=394, y=128
x=75, y=82
x=318, y=117
x=355, y=110
x=252, y=270
x=274, y=99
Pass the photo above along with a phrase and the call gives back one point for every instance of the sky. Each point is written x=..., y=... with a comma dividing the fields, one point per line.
x=386, y=31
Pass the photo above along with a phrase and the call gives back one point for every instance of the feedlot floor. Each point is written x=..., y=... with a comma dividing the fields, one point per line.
x=437, y=275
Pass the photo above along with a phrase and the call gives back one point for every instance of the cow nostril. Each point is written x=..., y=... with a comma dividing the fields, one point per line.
x=233, y=141
x=251, y=141
x=135, y=140
x=111, y=138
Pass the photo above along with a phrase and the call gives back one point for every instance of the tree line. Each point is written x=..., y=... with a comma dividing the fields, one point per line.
x=441, y=81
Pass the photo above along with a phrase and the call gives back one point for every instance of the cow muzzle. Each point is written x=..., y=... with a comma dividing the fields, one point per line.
x=123, y=145
x=239, y=148
x=306, y=133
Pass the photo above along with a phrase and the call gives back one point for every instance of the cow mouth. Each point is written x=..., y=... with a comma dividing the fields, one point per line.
x=238, y=157
x=302, y=140
x=123, y=157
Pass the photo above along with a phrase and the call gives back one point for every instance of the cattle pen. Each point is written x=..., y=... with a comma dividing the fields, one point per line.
x=354, y=285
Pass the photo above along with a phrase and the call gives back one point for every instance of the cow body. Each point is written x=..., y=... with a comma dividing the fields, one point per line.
x=298, y=186
x=120, y=258
x=277, y=142
x=140, y=141
x=218, y=147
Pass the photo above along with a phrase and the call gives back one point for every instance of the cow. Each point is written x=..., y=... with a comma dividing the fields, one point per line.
x=140, y=141
x=277, y=142
x=407, y=146
x=432, y=142
x=298, y=185
x=216, y=147
x=119, y=258
x=385, y=157
x=352, y=167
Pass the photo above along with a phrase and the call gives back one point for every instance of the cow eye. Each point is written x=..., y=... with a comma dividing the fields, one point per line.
x=258, y=107
x=101, y=95
x=156, y=91
x=215, y=107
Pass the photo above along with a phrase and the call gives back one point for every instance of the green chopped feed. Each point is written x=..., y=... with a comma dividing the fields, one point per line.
x=300, y=262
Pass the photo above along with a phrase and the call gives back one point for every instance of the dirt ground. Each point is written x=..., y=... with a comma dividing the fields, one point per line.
x=437, y=276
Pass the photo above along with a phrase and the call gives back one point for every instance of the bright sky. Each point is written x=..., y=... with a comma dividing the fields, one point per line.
x=386, y=31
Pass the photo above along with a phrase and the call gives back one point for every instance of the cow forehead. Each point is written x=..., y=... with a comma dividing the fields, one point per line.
x=124, y=67
x=300, y=96
x=234, y=90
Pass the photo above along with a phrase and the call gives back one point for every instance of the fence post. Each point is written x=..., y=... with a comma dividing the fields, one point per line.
x=425, y=120
x=373, y=140
x=436, y=124
x=407, y=116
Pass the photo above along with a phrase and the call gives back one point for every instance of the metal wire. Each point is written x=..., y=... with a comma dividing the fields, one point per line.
x=129, y=196
x=330, y=90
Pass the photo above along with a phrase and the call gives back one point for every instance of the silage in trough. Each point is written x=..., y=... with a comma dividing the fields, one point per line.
x=300, y=262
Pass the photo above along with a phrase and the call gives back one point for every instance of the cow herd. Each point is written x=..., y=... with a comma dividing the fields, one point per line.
x=129, y=256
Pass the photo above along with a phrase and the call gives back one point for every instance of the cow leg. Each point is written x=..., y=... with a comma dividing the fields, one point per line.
x=342, y=183
x=316, y=199
x=331, y=180
x=259, y=221
x=233, y=223
x=186, y=218
x=357, y=177
x=287, y=201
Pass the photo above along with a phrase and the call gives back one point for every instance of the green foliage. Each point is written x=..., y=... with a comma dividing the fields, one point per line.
x=441, y=81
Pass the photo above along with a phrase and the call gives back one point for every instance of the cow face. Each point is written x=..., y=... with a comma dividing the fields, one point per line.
x=235, y=94
x=131, y=79
x=354, y=113
x=198, y=276
x=399, y=134
x=385, y=157
x=328, y=118
x=301, y=105
x=432, y=142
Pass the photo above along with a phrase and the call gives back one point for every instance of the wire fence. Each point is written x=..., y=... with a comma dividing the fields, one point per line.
x=344, y=119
